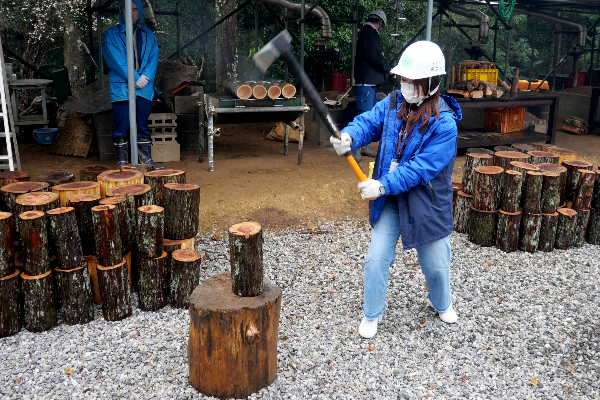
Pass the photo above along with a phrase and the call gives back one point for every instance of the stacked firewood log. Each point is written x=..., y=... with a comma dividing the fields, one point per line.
x=259, y=90
x=476, y=89
x=576, y=126
x=526, y=200
x=86, y=242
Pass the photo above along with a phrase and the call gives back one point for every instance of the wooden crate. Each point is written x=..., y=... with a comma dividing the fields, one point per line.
x=504, y=119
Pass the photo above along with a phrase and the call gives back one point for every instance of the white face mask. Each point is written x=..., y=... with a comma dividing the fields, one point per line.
x=411, y=93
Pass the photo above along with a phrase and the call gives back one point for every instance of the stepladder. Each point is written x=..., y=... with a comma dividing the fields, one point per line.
x=9, y=149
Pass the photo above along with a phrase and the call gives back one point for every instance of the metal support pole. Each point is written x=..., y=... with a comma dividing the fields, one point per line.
x=178, y=10
x=532, y=54
x=429, y=19
x=286, y=76
x=354, y=38
x=447, y=82
x=256, y=27
x=495, y=42
x=301, y=133
x=439, y=39
x=508, y=35
x=90, y=78
x=100, y=56
x=131, y=82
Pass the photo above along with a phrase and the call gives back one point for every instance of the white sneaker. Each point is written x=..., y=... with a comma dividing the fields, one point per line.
x=449, y=316
x=368, y=327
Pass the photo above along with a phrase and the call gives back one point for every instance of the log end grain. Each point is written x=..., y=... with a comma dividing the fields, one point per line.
x=120, y=175
x=75, y=186
x=478, y=150
x=181, y=186
x=135, y=189
x=185, y=255
x=36, y=198
x=524, y=165
x=150, y=209
x=577, y=163
x=112, y=200
x=245, y=229
x=489, y=170
x=166, y=172
x=83, y=197
x=25, y=187
x=31, y=215
x=567, y=212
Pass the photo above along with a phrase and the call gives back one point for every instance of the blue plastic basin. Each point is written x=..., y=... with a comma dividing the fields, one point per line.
x=45, y=135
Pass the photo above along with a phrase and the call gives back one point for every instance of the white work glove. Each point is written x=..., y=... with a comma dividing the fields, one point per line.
x=341, y=146
x=143, y=81
x=371, y=189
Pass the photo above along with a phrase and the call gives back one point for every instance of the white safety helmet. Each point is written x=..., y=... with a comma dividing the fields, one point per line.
x=422, y=59
x=379, y=14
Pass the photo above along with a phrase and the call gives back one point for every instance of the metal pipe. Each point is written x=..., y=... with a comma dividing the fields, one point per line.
x=429, y=19
x=532, y=54
x=90, y=77
x=301, y=133
x=178, y=9
x=100, y=57
x=149, y=16
x=557, y=20
x=302, y=7
x=354, y=39
x=508, y=36
x=495, y=42
x=448, y=81
x=285, y=25
x=131, y=81
x=484, y=20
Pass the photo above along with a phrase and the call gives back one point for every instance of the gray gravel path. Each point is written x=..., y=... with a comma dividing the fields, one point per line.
x=528, y=329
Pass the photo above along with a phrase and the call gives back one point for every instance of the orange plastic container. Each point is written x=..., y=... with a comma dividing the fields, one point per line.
x=524, y=85
x=504, y=119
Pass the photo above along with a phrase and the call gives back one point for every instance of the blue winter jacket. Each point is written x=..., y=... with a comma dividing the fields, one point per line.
x=115, y=55
x=423, y=180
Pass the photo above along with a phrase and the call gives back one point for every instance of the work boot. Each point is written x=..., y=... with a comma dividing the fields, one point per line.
x=366, y=151
x=145, y=153
x=121, y=150
x=356, y=154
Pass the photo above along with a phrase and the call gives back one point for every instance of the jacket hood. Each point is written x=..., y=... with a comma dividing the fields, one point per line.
x=140, y=8
x=448, y=104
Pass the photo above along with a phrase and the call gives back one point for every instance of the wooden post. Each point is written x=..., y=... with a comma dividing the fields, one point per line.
x=511, y=193
x=115, y=178
x=182, y=210
x=185, y=276
x=106, y=236
x=573, y=167
x=583, y=217
x=550, y=197
x=548, y=232
x=7, y=252
x=76, y=295
x=532, y=192
x=91, y=172
x=487, y=188
x=473, y=161
x=92, y=263
x=10, y=192
x=593, y=232
x=523, y=147
x=34, y=236
x=483, y=227
x=10, y=291
x=12, y=177
x=543, y=157
x=38, y=297
x=531, y=225
x=56, y=177
x=565, y=231
x=122, y=213
x=114, y=290
x=504, y=158
x=150, y=226
x=137, y=195
x=67, y=190
x=82, y=205
x=582, y=198
x=562, y=171
x=232, y=349
x=157, y=179
x=246, y=258
x=462, y=210
x=509, y=224
x=153, y=292
x=65, y=235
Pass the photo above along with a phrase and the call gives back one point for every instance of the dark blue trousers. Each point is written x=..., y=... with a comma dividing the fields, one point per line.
x=143, y=107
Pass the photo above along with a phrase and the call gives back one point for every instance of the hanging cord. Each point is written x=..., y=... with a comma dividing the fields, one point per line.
x=505, y=7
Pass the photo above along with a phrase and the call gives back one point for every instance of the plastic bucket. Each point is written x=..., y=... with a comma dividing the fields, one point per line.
x=45, y=135
x=371, y=166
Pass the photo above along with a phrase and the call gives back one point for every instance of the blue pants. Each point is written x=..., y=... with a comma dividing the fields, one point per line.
x=143, y=107
x=365, y=98
x=434, y=259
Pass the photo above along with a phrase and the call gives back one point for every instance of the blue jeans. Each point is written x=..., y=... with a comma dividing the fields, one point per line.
x=143, y=107
x=434, y=259
x=365, y=98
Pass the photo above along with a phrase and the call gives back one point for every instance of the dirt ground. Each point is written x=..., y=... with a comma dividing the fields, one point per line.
x=253, y=180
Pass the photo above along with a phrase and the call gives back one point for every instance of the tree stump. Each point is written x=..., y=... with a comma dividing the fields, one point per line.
x=487, y=188
x=473, y=161
x=565, y=230
x=456, y=187
x=150, y=226
x=595, y=203
x=563, y=154
x=483, y=227
x=115, y=178
x=509, y=224
x=532, y=192
x=531, y=225
x=480, y=150
x=76, y=295
x=34, y=236
x=246, y=258
x=498, y=149
x=114, y=290
x=7, y=252
x=182, y=210
x=83, y=204
x=92, y=263
x=462, y=210
x=562, y=171
x=543, y=146
x=10, y=192
x=185, y=276
x=582, y=199
x=122, y=213
x=522, y=167
x=154, y=291
x=36, y=201
x=503, y=159
x=550, y=198
x=573, y=167
x=170, y=246
x=593, y=232
x=12, y=177
x=9, y=306
x=543, y=157
x=64, y=233
x=143, y=168
x=90, y=172
x=157, y=179
x=548, y=232
x=67, y=190
x=107, y=242
x=523, y=147
x=232, y=349
x=56, y=177
x=38, y=300
x=137, y=195
x=511, y=193
x=583, y=217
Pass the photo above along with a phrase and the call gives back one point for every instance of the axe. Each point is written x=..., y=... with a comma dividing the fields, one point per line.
x=279, y=47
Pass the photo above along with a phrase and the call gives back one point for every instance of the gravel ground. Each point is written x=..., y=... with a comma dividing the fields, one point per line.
x=528, y=329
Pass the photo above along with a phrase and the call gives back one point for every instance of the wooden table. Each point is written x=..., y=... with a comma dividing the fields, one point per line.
x=28, y=84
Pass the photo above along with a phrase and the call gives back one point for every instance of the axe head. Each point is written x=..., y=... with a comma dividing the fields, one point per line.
x=272, y=50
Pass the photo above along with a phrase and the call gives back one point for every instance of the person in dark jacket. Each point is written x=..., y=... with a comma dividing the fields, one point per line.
x=370, y=68
x=411, y=190
x=146, y=62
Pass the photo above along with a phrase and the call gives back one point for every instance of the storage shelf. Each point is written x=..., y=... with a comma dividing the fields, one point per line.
x=481, y=138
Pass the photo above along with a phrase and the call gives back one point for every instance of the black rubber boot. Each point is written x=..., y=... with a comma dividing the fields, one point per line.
x=366, y=151
x=121, y=147
x=145, y=153
x=356, y=155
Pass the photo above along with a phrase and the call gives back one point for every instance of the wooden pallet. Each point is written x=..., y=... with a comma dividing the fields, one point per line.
x=74, y=139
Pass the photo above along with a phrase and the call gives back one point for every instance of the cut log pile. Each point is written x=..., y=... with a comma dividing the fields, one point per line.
x=476, y=89
x=576, y=126
x=272, y=89
x=528, y=202
x=77, y=248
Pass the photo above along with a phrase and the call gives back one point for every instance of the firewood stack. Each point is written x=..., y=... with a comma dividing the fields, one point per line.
x=541, y=207
x=476, y=89
x=576, y=126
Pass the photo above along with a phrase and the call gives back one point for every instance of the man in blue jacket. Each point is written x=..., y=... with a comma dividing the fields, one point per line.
x=146, y=60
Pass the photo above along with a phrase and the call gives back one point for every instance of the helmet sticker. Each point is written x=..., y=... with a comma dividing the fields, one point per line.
x=407, y=61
